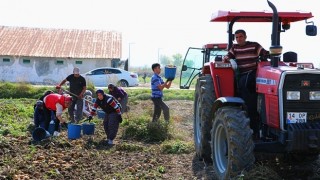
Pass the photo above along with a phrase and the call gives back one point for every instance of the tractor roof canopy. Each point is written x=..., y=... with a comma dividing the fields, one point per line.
x=259, y=16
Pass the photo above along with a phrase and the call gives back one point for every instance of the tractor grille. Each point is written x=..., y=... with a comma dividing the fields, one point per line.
x=304, y=83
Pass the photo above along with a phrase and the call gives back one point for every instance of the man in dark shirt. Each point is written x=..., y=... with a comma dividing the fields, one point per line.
x=77, y=88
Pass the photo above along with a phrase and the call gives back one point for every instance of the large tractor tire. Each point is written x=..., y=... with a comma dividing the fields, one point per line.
x=231, y=142
x=203, y=103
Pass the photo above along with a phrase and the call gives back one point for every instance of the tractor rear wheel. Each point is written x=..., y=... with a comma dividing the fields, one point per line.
x=231, y=142
x=203, y=103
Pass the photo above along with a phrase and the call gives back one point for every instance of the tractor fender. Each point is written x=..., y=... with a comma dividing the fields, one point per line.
x=227, y=101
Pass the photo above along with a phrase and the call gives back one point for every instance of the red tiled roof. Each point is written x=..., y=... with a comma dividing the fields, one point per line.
x=61, y=43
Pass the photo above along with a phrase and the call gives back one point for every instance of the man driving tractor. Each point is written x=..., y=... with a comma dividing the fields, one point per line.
x=247, y=55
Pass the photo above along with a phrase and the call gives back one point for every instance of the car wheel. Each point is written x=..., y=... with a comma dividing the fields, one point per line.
x=123, y=83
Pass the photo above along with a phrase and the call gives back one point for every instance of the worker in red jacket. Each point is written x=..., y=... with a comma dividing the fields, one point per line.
x=112, y=109
x=56, y=103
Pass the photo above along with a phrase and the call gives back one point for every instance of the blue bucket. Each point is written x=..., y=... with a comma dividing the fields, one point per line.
x=170, y=72
x=74, y=131
x=39, y=134
x=88, y=128
x=101, y=114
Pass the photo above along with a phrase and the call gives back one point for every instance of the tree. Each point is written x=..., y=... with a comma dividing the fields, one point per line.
x=177, y=60
x=165, y=60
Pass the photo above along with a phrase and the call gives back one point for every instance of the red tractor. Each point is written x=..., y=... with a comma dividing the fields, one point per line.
x=288, y=99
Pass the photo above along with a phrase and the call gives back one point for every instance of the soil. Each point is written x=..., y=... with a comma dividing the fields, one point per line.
x=91, y=158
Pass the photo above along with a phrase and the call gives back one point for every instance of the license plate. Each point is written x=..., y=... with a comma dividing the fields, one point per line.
x=296, y=117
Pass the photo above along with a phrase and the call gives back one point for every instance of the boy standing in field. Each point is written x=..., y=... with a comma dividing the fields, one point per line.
x=157, y=86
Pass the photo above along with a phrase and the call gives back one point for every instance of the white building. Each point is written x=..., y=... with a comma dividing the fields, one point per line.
x=47, y=56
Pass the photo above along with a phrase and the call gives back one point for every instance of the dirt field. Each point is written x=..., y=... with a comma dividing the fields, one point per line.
x=90, y=157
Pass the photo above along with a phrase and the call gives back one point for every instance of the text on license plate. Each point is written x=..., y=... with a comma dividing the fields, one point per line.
x=296, y=117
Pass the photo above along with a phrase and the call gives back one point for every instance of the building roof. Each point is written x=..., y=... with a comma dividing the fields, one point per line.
x=60, y=43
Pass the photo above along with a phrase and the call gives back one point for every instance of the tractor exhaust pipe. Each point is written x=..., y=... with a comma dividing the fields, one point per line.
x=275, y=24
x=275, y=49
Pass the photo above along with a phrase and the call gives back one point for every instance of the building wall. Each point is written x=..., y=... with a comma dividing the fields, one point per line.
x=38, y=70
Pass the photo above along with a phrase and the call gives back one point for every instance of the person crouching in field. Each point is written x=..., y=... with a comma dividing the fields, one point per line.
x=56, y=103
x=121, y=95
x=112, y=109
x=38, y=115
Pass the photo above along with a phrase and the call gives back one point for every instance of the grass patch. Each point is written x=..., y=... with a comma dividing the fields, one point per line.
x=21, y=90
x=177, y=147
x=169, y=94
x=178, y=94
x=15, y=116
x=128, y=147
x=16, y=113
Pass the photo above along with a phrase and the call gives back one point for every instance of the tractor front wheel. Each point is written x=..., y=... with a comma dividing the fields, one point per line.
x=231, y=142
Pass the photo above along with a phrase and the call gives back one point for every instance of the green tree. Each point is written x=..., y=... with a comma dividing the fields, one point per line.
x=165, y=60
x=177, y=60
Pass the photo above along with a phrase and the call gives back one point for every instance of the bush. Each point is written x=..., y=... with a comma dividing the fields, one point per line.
x=91, y=87
x=158, y=131
x=142, y=129
x=21, y=90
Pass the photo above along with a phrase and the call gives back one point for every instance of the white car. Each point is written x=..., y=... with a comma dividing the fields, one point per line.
x=101, y=77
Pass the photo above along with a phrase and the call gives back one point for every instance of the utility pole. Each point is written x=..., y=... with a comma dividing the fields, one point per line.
x=129, y=58
x=159, y=55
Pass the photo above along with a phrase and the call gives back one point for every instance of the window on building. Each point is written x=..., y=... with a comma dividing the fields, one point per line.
x=6, y=60
x=78, y=62
x=59, y=61
x=26, y=61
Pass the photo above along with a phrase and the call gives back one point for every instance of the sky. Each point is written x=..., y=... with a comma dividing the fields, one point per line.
x=155, y=28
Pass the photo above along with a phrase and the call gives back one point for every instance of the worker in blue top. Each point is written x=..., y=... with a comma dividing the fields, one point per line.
x=157, y=86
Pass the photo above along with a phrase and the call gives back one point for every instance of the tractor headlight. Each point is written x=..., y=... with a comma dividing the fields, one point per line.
x=314, y=95
x=293, y=95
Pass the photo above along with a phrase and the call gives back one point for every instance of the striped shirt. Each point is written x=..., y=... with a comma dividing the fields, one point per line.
x=155, y=81
x=247, y=56
x=108, y=104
